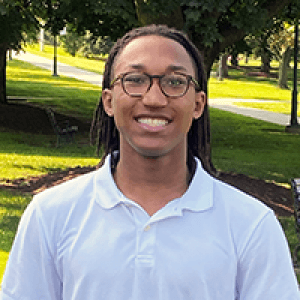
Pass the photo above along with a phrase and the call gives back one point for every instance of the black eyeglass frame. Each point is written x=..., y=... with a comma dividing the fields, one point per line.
x=151, y=77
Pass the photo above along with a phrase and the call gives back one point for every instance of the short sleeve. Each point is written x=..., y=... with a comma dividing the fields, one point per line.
x=30, y=272
x=265, y=269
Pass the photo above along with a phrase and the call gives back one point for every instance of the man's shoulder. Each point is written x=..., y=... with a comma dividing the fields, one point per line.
x=70, y=187
x=230, y=199
x=236, y=198
x=74, y=192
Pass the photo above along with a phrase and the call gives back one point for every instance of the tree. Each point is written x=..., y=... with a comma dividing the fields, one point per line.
x=284, y=41
x=261, y=48
x=72, y=41
x=281, y=44
x=93, y=46
x=17, y=18
x=222, y=71
x=212, y=25
x=276, y=40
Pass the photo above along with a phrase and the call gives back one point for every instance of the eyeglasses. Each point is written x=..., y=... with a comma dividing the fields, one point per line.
x=174, y=85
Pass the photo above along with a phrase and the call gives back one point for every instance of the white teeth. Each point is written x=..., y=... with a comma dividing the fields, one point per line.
x=153, y=122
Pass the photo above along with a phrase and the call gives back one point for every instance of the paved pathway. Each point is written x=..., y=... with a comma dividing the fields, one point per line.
x=268, y=116
x=62, y=69
x=223, y=104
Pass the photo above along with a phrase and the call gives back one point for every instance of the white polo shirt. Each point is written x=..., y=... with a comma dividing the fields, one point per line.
x=85, y=240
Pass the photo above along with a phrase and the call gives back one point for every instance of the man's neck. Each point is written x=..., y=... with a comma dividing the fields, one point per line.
x=152, y=182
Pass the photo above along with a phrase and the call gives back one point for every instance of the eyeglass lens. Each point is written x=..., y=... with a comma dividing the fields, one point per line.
x=140, y=83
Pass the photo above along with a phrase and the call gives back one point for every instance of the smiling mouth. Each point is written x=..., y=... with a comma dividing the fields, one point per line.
x=152, y=122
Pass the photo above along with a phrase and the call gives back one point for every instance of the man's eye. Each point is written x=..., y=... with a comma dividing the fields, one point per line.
x=174, y=81
x=135, y=79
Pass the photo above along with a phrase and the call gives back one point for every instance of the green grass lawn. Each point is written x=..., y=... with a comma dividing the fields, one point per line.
x=239, y=144
x=23, y=155
x=12, y=206
x=246, y=89
x=284, y=107
x=92, y=64
x=252, y=147
x=67, y=95
x=240, y=86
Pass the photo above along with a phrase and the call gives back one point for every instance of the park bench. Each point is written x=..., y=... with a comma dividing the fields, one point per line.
x=295, y=187
x=64, y=132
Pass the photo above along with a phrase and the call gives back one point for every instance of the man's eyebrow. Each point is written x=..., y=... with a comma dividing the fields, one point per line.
x=172, y=68
x=176, y=68
x=138, y=66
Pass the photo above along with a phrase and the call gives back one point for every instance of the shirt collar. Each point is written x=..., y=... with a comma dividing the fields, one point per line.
x=105, y=189
x=198, y=197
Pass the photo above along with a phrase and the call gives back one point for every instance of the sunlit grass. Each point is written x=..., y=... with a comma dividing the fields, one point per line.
x=17, y=165
x=246, y=89
x=23, y=155
x=283, y=107
x=93, y=65
x=248, y=146
x=3, y=260
x=12, y=206
x=231, y=88
x=68, y=95
x=242, y=86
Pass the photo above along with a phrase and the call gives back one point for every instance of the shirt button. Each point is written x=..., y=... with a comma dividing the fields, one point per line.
x=148, y=227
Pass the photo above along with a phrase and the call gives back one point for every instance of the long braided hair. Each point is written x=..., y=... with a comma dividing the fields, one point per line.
x=103, y=129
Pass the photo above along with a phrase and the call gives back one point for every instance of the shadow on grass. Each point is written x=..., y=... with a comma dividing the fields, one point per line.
x=273, y=130
x=39, y=169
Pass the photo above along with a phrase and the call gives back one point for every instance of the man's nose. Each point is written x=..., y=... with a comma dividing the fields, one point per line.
x=155, y=96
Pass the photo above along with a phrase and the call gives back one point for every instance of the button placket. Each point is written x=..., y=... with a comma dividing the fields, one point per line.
x=146, y=245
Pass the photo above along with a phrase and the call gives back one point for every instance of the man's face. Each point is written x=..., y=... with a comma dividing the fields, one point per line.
x=153, y=124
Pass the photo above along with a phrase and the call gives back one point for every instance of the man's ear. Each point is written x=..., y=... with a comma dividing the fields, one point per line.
x=107, y=102
x=199, y=104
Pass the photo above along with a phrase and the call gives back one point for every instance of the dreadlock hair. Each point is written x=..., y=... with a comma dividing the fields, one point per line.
x=103, y=129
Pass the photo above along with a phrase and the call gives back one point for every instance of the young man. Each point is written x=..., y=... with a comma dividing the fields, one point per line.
x=151, y=223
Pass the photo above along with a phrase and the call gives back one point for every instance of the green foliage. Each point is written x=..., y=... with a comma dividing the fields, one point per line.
x=72, y=42
x=213, y=20
x=87, y=44
x=93, y=46
x=17, y=20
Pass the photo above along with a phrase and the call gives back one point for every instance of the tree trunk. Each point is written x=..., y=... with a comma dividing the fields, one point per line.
x=265, y=63
x=283, y=68
x=223, y=67
x=42, y=39
x=3, y=50
x=209, y=55
x=234, y=60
